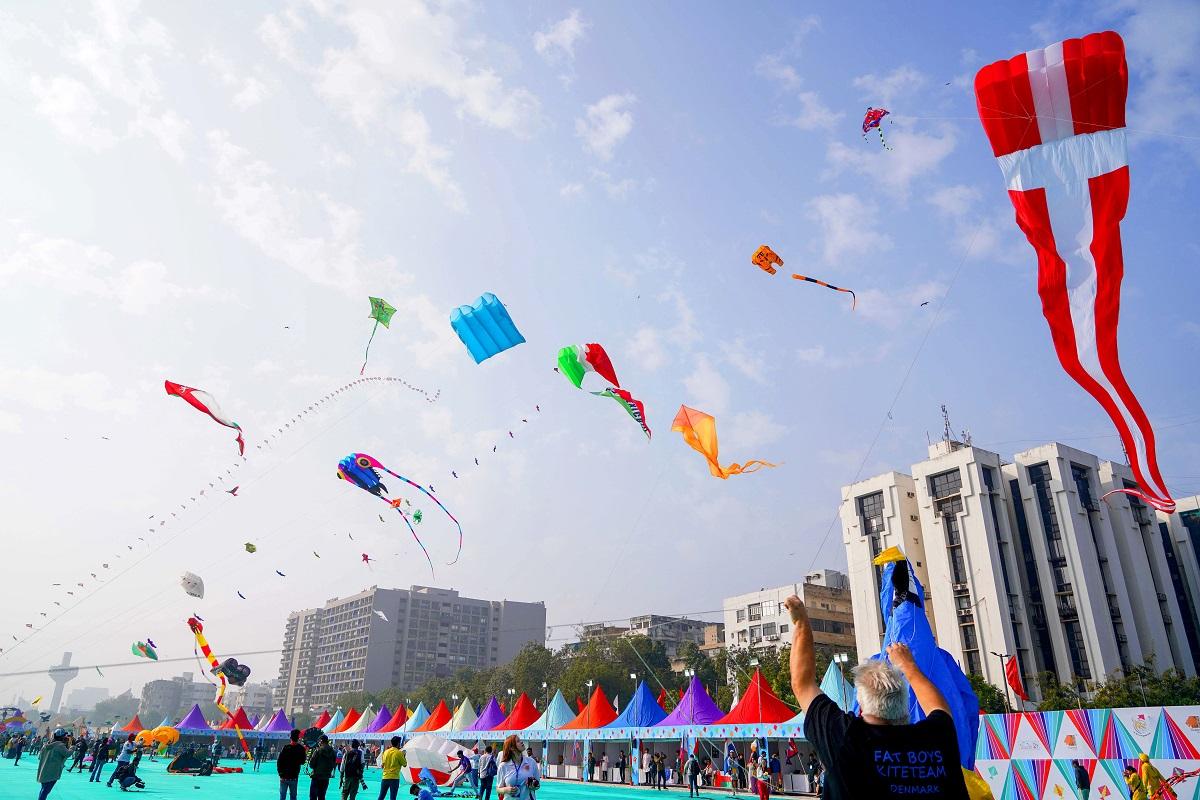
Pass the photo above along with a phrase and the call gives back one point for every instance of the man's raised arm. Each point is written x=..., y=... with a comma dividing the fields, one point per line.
x=804, y=655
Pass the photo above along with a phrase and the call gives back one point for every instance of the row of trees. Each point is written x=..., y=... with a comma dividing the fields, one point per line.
x=608, y=663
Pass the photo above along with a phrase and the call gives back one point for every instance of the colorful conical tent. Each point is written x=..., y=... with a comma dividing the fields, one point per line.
x=334, y=722
x=254, y=720
x=440, y=716
x=758, y=704
x=364, y=719
x=837, y=688
x=578, y=704
x=351, y=717
x=557, y=714
x=596, y=714
x=278, y=723
x=380, y=720
x=166, y=723
x=492, y=716
x=523, y=715
x=696, y=707
x=416, y=718
x=238, y=719
x=263, y=721
x=322, y=720
x=641, y=711
x=464, y=717
x=193, y=720
x=396, y=722
x=133, y=726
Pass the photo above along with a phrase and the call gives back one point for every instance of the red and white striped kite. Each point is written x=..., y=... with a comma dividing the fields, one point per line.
x=1056, y=121
x=203, y=401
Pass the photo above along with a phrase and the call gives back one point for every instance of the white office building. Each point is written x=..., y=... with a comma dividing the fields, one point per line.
x=1023, y=558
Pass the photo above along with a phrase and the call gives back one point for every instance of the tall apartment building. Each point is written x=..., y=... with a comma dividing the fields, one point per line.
x=1022, y=558
x=759, y=620
x=397, y=637
x=669, y=631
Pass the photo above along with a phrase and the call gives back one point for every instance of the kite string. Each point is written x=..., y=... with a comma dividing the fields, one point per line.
x=184, y=530
x=899, y=390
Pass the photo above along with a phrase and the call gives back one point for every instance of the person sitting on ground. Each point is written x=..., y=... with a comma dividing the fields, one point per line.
x=880, y=754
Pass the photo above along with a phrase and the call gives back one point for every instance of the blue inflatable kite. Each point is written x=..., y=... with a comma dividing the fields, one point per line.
x=902, y=601
x=485, y=327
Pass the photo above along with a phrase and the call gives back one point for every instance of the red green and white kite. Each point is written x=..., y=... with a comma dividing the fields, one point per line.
x=575, y=361
x=203, y=401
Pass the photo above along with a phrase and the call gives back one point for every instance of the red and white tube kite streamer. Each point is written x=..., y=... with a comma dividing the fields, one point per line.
x=1056, y=121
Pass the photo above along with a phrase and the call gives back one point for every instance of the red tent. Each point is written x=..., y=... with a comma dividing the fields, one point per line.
x=596, y=714
x=440, y=716
x=523, y=715
x=758, y=704
x=239, y=719
x=322, y=720
x=578, y=705
x=134, y=725
x=397, y=721
x=350, y=719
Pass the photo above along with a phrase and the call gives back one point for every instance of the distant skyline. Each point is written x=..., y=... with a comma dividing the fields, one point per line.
x=210, y=198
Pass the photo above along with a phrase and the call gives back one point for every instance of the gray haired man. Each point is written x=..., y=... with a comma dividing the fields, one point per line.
x=879, y=754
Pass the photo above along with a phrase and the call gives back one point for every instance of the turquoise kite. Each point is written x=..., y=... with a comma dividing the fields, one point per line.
x=485, y=327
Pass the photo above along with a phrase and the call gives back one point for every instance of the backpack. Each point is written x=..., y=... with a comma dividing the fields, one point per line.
x=489, y=770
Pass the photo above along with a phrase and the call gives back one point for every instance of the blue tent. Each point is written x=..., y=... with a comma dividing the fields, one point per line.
x=641, y=711
x=837, y=688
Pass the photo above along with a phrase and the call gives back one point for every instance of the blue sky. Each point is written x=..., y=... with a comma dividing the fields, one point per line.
x=182, y=186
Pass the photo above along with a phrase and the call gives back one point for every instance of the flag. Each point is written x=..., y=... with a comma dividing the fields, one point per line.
x=1012, y=672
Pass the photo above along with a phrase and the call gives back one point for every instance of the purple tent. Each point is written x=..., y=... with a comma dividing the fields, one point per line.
x=492, y=716
x=696, y=708
x=254, y=720
x=278, y=724
x=194, y=721
x=382, y=718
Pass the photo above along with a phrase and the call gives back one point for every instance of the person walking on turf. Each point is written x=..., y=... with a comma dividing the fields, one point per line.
x=291, y=759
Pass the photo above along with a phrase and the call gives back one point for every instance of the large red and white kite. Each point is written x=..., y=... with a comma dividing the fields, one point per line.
x=203, y=401
x=1056, y=121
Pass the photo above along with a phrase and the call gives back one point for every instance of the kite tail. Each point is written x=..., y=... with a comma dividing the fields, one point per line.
x=367, y=353
x=1154, y=502
x=428, y=494
x=750, y=466
x=819, y=282
x=413, y=531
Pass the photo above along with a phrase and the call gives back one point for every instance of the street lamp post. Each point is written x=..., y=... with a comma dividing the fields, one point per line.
x=839, y=659
x=1000, y=657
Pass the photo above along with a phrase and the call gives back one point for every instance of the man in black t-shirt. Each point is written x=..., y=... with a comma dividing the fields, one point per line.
x=877, y=755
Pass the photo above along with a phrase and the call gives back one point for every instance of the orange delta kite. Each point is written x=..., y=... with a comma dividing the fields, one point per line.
x=700, y=432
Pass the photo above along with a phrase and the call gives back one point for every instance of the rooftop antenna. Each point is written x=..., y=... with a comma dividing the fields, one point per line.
x=947, y=431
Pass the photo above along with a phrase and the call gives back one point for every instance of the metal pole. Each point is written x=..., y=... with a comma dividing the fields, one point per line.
x=1003, y=679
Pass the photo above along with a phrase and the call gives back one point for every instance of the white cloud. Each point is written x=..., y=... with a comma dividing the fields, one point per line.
x=646, y=348
x=913, y=155
x=990, y=235
x=613, y=187
x=9, y=422
x=277, y=32
x=606, y=124
x=249, y=90
x=571, y=190
x=71, y=107
x=427, y=158
x=706, y=389
x=1162, y=38
x=954, y=201
x=79, y=269
x=745, y=430
x=812, y=114
x=842, y=358
x=883, y=90
x=558, y=41
x=368, y=76
x=746, y=360
x=849, y=225
x=43, y=390
x=894, y=306
x=308, y=231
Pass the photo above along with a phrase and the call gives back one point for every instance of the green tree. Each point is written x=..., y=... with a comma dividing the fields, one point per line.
x=991, y=699
x=1057, y=696
x=118, y=710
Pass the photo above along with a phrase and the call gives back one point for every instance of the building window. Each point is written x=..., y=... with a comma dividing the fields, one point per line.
x=741, y=615
x=945, y=484
x=1076, y=648
x=769, y=629
x=1044, y=652
x=755, y=611
x=870, y=509
x=1083, y=485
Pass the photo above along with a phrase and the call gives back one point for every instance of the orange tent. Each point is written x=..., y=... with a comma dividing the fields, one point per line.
x=133, y=726
x=523, y=715
x=397, y=721
x=239, y=719
x=596, y=714
x=322, y=720
x=440, y=716
x=349, y=721
x=758, y=704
